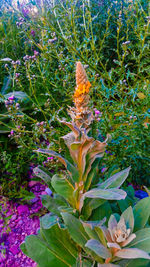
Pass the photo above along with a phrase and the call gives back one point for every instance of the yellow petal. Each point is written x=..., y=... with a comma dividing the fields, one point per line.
x=141, y=95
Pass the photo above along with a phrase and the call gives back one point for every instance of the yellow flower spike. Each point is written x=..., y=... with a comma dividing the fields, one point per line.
x=80, y=114
x=141, y=95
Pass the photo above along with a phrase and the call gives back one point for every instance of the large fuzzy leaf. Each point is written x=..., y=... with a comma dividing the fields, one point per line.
x=60, y=242
x=47, y=221
x=101, y=212
x=49, y=203
x=141, y=213
x=116, y=180
x=71, y=169
x=75, y=229
x=109, y=194
x=98, y=248
x=128, y=217
x=64, y=188
x=52, y=247
x=43, y=174
x=142, y=240
x=134, y=263
x=40, y=252
x=132, y=253
x=90, y=206
x=108, y=265
x=55, y=205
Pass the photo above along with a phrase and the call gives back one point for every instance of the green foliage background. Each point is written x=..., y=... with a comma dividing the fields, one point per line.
x=93, y=32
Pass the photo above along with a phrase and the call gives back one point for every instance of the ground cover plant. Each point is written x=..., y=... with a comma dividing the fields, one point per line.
x=75, y=232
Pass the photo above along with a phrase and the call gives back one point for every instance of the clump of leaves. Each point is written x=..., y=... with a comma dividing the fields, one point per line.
x=66, y=237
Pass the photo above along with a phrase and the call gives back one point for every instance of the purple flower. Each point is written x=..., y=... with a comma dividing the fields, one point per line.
x=32, y=33
x=103, y=170
x=50, y=158
x=17, y=75
x=12, y=132
x=18, y=62
x=36, y=53
x=141, y=194
x=25, y=12
x=97, y=112
x=48, y=191
x=11, y=97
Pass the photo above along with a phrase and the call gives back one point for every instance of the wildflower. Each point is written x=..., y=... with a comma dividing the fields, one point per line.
x=32, y=33
x=36, y=53
x=17, y=105
x=6, y=66
x=18, y=62
x=126, y=43
x=51, y=41
x=11, y=132
x=17, y=75
x=50, y=158
x=48, y=191
x=11, y=97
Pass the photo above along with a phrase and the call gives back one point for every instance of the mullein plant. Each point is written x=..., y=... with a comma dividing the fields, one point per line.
x=68, y=235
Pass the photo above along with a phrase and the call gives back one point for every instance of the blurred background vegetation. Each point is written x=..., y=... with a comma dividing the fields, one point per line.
x=40, y=41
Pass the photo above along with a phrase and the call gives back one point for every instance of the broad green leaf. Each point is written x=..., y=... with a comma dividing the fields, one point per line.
x=116, y=180
x=90, y=206
x=141, y=213
x=55, y=205
x=40, y=252
x=41, y=172
x=6, y=84
x=71, y=169
x=58, y=239
x=101, y=212
x=48, y=220
x=50, y=203
x=142, y=240
x=101, y=236
x=128, y=217
x=64, y=188
x=134, y=263
x=91, y=232
x=85, y=263
x=75, y=229
x=89, y=176
x=110, y=194
x=132, y=253
x=108, y=265
x=98, y=248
